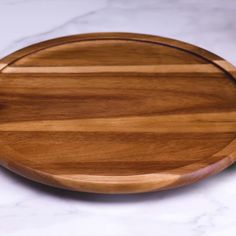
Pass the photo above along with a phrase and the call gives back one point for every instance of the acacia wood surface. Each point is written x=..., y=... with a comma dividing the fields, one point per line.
x=116, y=113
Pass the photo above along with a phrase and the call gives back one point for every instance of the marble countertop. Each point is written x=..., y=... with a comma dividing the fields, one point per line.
x=207, y=208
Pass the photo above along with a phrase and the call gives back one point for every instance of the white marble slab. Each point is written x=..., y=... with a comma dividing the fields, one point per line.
x=207, y=208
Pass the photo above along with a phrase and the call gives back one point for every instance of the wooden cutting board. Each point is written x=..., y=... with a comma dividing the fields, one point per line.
x=116, y=113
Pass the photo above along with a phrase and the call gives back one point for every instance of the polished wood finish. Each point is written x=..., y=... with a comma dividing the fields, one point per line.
x=116, y=113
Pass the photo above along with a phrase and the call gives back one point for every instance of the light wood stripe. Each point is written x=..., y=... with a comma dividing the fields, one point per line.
x=2, y=65
x=226, y=65
x=187, y=68
x=198, y=123
x=162, y=178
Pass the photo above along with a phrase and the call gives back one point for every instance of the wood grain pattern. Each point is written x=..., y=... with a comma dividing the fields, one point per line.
x=116, y=113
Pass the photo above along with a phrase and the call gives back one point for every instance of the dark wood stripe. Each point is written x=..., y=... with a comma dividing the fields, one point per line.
x=194, y=123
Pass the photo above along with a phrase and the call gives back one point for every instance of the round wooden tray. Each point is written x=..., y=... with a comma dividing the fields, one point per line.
x=116, y=113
